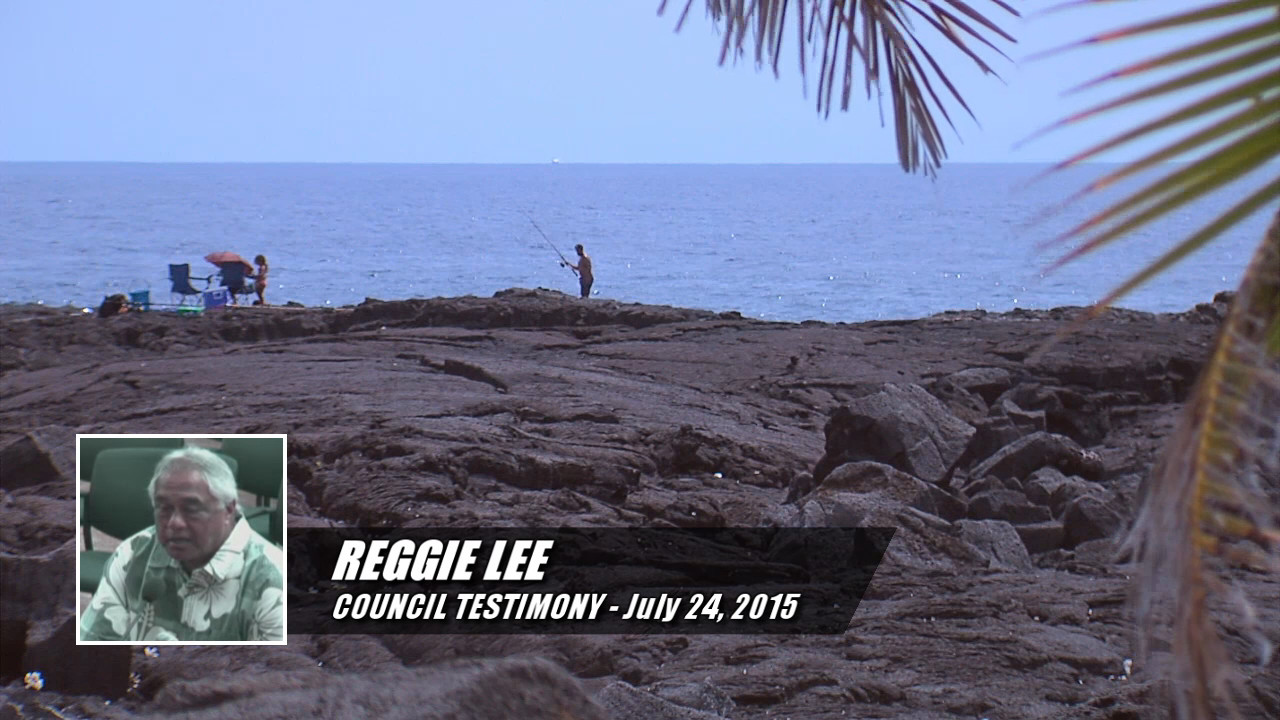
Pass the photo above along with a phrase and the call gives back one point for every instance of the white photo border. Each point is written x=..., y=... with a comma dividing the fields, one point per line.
x=284, y=539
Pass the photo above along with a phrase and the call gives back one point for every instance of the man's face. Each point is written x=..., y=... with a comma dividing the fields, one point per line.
x=191, y=522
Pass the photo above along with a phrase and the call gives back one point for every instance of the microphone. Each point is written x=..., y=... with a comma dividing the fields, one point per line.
x=152, y=589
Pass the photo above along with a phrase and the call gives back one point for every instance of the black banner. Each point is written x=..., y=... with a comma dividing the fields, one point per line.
x=580, y=580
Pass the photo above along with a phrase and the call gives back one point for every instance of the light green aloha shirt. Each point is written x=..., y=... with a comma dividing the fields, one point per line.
x=237, y=595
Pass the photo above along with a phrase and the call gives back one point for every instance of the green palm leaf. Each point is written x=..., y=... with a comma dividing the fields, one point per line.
x=879, y=42
x=1204, y=504
x=1231, y=130
x=1204, y=501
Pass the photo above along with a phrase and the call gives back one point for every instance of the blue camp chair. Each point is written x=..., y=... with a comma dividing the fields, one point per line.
x=235, y=279
x=180, y=277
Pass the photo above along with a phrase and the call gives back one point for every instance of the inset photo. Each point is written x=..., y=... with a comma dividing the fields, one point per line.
x=182, y=539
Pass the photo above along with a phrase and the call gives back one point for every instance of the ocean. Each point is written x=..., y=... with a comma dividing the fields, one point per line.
x=779, y=242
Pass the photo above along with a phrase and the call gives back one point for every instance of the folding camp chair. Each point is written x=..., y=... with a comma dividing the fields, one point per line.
x=180, y=277
x=235, y=279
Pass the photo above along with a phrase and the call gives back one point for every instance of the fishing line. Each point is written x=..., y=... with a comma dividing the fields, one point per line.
x=563, y=261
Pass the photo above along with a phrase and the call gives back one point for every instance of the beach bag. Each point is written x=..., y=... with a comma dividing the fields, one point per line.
x=112, y=305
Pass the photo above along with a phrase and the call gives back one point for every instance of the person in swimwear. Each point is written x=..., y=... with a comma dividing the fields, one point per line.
x=583, y=270
x=260, y=279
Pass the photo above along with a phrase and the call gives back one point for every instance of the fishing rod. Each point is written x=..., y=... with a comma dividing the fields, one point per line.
x=564, y=262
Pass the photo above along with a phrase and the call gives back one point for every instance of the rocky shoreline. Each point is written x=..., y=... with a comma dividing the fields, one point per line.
x=1008, y=476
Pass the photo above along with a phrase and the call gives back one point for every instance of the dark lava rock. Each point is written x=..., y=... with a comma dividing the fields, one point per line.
x=1049, y=487
x=1028, y=420
x=1066, y=412
x=13, y=645
x=998, y=540
x=1005, y=424
x=84, y=670
x=1038, y=450
x=689, y=450
x=25, y=462
x=858, y=493
x=1042, y=536
x=36, y=522
x=903, y=426
x=515, y=687
x=942, y=503
x=990, y=434
x=36, y=592
x=698, y=696
x=1089, y=517
x=985, y=382
x=1010, y=505
x=597, y=395
x=873, y=477
x=36, y=586
x=801, y=485
x=627, y=702
x=988, y=483
x=965, y=405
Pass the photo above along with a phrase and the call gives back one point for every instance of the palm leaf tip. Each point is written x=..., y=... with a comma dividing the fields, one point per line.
x=1228, y=132
x=873, y=43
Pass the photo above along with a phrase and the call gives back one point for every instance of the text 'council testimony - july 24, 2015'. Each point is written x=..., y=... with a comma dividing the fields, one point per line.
x=581, y=580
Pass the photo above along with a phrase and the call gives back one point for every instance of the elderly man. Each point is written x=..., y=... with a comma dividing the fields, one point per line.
x=200, y=573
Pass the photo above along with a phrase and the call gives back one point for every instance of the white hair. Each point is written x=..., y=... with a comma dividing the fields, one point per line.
x=208, y=465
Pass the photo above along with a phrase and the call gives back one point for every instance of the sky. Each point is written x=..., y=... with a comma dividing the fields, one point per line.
x=504, y=81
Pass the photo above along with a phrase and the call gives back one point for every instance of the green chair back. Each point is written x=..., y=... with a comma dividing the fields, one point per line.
x=92, y=564
x=261, y=462
x=276, y=534
x=269, y=524
x=91, y=446
x=117, y=502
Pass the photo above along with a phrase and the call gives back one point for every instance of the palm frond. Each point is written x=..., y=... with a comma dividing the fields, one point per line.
x=879, y=37
x=1229, y=131
x=1206, y=504
x=1207, y=500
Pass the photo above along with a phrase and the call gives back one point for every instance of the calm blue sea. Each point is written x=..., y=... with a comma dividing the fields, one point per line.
x=781, y=242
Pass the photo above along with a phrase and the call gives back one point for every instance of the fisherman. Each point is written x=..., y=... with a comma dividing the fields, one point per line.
x=582, y=270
